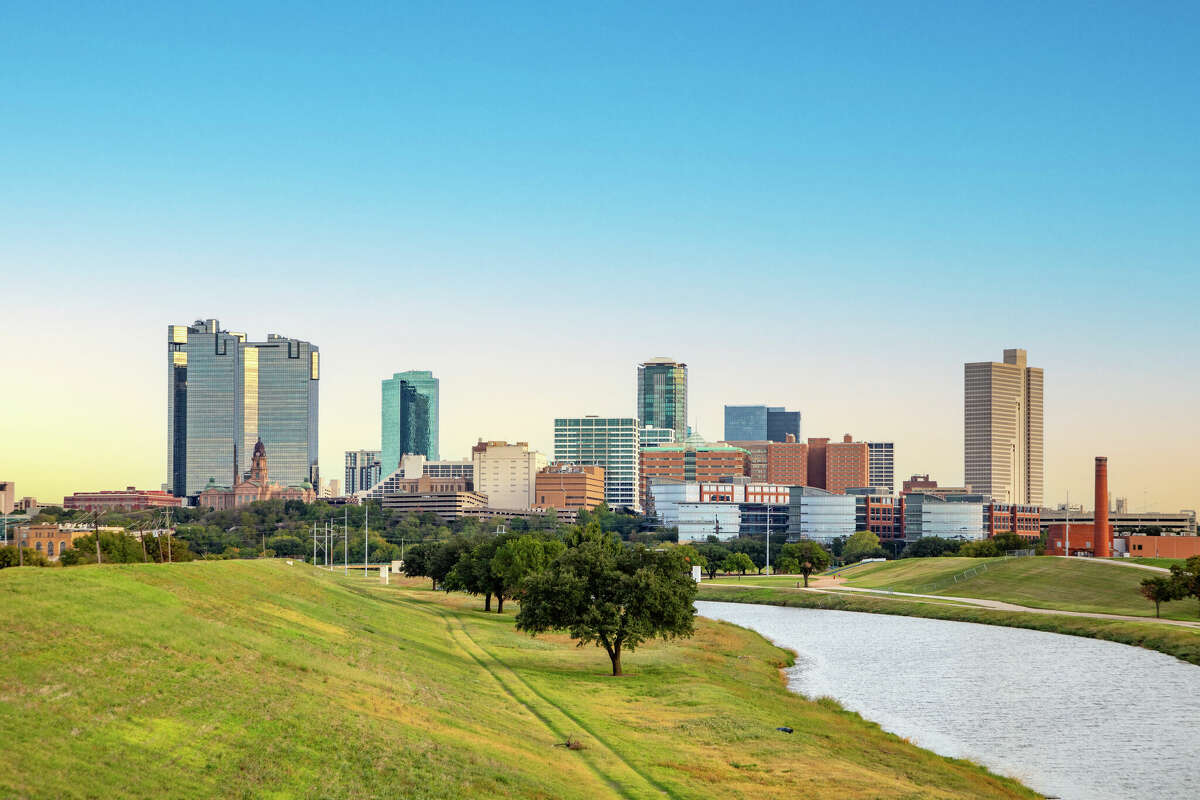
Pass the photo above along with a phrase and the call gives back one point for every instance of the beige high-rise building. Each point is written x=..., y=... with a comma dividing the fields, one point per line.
x=1002, y=445
x=506, y=473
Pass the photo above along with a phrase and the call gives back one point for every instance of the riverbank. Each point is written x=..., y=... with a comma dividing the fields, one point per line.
x=254, y=678
x=1180, y=642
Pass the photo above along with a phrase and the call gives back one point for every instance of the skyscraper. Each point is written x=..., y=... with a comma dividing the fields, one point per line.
x=225, y=393
x=1002, y=443
x=761, y=424
x=362, y=470
x=662, y=395
x=409, y=418
x=609, y=442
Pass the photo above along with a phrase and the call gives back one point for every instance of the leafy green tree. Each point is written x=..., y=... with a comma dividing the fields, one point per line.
x=515, y=559
x=930, y=547
x=979, y=548
x=737, y=562
x=285, y=545
x=1160, y=589
x=1186, y=577
x=862, y=544
x=29, y=557
x=787, y=566
x=614, y=596
x=714, y=556
x=754, y=548
x=810, y=557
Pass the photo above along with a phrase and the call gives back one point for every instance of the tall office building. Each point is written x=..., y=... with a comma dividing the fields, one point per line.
x=224, y=393
x=1002, y=443
x=506, y=473
x=609, y=442
x=881, y=466
x=761, y=424
x=363, y=470
x=662, y=395
x=409, y=418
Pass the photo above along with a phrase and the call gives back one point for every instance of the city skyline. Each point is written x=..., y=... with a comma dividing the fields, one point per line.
x=907, y=462
x=430, y=196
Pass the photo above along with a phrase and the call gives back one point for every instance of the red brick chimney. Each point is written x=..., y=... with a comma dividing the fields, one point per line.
x=1102, y=538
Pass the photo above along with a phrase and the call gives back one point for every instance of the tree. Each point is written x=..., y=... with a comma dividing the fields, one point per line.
x=930, y=547
x=1186, y=577
x=979, y=548
x=863, y=544
x=737, y=562
x=614, y=596
x=810, y=557
x=517, y=558
x=787, y=566
x=713, y=554
x=1159, y=590
x=754, y=548
x=286, y=546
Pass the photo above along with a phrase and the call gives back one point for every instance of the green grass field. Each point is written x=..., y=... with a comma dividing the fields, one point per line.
x=256, y=679
x=1056, y=583
x=1165, y=563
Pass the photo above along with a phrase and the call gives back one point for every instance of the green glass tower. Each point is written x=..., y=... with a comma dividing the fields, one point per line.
x=662, y=395
x=409, y=421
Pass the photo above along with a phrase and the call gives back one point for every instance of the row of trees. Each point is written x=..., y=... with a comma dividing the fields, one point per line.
x=586, y=581
x=1183, y=582
x=998, y=545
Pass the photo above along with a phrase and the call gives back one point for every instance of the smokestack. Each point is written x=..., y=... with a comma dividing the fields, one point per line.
x=1102, y=541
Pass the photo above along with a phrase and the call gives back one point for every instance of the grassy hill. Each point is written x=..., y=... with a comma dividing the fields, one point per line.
x=1057, y=583
x=256, y=679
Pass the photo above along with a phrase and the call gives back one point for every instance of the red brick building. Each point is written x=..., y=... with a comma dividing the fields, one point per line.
x=130, y=499
x=692, y=463
x=838, y=466
x=1022, y=520
x=784, y=463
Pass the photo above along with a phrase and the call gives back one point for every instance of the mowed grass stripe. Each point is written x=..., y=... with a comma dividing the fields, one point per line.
x=516, y=689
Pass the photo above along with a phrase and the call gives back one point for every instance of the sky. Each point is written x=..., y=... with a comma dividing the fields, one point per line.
x=828, y=206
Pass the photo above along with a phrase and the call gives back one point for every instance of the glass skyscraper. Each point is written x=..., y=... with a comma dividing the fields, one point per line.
x=409, y=423
x=224, y=393
x=662, y=395
x=760, y=424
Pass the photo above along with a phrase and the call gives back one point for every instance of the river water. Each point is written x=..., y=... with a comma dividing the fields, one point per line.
x=1070, y=717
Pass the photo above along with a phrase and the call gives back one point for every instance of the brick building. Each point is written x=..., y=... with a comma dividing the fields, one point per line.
x=838, y=466
x=568, y=487
x=784, y=463
x=691, y=462
x=129, y=499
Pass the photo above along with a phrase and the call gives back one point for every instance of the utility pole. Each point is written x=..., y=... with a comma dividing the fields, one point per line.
x=314, y=542
x=169, y=558
x=768, y=508
x=96, y=533
x=366, y=539
x=345, y=540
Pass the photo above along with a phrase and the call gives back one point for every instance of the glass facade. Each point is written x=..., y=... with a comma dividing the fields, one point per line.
x=760, y=424
x=820, y=515
x=409, y=422
x=929, y=515
x=224, y=393
x=609, y=442
x=662, y=395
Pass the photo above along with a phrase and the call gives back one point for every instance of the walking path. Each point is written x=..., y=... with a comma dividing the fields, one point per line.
x=979, y=602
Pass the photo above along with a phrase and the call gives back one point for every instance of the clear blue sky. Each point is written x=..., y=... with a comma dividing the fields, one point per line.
x=864, y=195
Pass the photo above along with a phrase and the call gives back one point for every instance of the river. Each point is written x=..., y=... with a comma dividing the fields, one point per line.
x=1067, y=716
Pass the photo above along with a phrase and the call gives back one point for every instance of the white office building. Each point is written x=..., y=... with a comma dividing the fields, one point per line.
x=506, y=473
x=609, y=442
